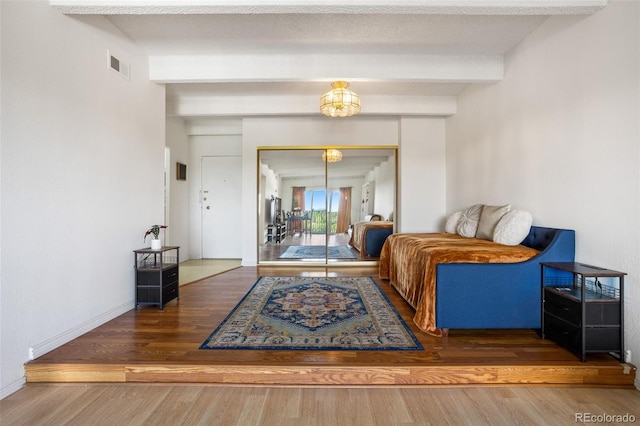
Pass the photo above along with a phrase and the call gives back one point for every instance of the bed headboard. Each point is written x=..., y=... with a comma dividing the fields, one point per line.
x=540, y=238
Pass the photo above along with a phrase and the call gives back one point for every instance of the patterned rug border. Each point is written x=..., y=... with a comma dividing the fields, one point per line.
x=418, y=345
x=347, y=253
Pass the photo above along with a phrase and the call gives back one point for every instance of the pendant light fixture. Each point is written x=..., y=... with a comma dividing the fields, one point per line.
x=332, y=155
x=340, y=101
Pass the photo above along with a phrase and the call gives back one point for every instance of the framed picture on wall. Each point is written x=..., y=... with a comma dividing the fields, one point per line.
x=181, y=171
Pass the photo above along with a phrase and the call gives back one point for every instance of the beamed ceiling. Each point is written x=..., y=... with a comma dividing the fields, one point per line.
x=235, y=58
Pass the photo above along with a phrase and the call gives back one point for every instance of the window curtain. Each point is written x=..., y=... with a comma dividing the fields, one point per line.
x=344, y=210
x=297, y=197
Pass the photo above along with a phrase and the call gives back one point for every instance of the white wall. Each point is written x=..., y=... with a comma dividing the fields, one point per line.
x=178, y=142
x=421, y=186
x=82, y=178
x=270, y=187
x=385, y=188
x=560, y=137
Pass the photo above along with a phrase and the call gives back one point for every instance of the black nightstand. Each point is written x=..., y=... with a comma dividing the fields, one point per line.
x=157, y=275
x=582, y=308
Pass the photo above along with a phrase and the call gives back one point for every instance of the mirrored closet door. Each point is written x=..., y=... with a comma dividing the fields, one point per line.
x=310, y=198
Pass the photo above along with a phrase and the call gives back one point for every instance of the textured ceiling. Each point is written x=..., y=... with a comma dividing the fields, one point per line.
x=326, y=33
x=241, y=57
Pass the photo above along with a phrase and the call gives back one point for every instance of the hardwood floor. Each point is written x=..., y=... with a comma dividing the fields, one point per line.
x=150, y=345
x=131, y=404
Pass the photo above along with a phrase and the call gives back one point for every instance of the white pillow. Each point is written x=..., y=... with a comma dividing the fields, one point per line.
x=513, y=228
x=489, y=218
x=468, y=223
x=452, y=223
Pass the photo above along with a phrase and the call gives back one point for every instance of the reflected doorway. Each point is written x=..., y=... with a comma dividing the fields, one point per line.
x=308, y=205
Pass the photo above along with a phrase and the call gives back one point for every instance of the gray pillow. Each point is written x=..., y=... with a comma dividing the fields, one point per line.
x=489, y=218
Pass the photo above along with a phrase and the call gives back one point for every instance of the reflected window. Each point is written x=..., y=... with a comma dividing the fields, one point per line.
x=317, y=199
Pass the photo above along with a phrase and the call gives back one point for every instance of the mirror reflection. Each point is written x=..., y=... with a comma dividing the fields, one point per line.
x=320, y=205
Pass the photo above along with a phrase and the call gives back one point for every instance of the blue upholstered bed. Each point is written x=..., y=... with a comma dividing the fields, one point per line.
x=483, y=295
x=368, y=237
x=504, y=295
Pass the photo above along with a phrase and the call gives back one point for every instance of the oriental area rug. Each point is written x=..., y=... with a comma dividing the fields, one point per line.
x=317, y=252
x=303, y=313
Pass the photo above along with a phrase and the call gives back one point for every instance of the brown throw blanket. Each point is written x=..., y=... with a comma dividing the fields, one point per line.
x=409, y=262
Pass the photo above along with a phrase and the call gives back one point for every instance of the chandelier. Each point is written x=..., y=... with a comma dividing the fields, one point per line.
x=340, y=101
x=332, y=156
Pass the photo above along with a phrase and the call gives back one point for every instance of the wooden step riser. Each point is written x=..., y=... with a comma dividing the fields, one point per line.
x=623, y=376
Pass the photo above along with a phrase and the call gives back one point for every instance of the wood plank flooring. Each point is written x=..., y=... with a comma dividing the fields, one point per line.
x=149, y=345
x=132, y=404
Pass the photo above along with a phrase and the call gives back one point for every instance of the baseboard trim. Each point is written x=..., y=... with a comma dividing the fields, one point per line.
x=77, y=331
x=13, y=387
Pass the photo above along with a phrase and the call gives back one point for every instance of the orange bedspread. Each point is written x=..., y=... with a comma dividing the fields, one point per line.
x=409, y=262
x=359, y=235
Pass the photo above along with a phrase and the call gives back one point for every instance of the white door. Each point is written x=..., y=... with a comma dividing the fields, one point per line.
x=221, y=207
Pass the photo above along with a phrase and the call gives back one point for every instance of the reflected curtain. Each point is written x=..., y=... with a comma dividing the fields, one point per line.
x=344, y=210
x=297, y=197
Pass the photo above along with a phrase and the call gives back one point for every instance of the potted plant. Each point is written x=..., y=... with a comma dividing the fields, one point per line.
x=156, y=244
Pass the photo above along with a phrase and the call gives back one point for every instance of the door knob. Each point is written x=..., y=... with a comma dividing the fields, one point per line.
x=208, y=207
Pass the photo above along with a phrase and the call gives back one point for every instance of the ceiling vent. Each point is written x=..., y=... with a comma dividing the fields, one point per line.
x=117, y=66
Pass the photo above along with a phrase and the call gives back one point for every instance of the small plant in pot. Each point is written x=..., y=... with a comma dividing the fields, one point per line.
x=156, y=244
